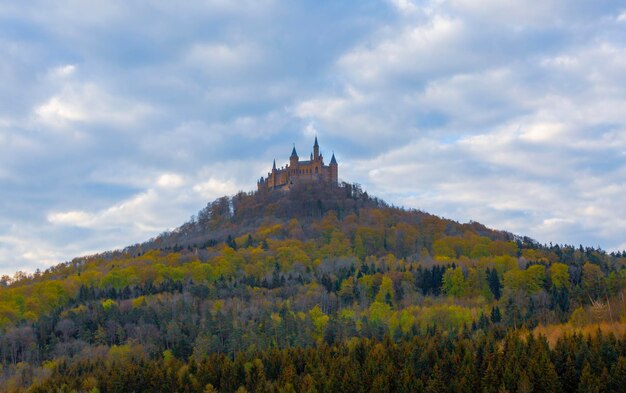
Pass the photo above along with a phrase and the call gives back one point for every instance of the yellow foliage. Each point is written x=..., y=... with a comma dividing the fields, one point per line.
x=139, y=301
x=119, y=353
x=407, y=321
x=500, y=247
x=386, y=292
x=276, y=318
x=445, y=316
x=580, y=317
x=287, y=256
x=556, y=331
x=267, y=231
x=380, y=312
x=320, y=320
x=559, y=274
x=218, y=305
x=347, y=313
x=108, y=303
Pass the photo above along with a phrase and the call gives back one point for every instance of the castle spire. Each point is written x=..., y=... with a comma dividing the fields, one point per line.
x=293, y=152
x=274, y=167
x=332, y=160
x=316, y=150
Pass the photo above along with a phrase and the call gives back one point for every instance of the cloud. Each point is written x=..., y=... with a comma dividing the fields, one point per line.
x=63, y=71
x=77, y=218
x=511, y=141
x=213, y=188
x=170, y=180
x=411, y=52
x=88, y=103
x=220, y=59
x=118, y=121
x=404, y=6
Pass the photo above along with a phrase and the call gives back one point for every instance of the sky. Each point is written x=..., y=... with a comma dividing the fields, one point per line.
x=120, y=120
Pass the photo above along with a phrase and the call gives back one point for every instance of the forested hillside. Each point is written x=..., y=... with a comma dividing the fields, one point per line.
x=321, y=289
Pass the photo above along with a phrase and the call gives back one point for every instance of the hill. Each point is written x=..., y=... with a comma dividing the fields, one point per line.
x=322, y=288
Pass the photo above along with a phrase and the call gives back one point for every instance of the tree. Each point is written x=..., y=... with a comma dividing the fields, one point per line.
x=589, y=383
x=494, y=283
x=593, y=280
x=535, y=278
x=559, y=275
x=454, y=282
x=386, y=291
x=496, y=316
x=210, y=389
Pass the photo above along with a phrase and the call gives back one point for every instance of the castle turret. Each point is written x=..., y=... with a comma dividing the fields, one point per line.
x=316, y=150
x=274, y=167
x=334, y=169
x=293, y=160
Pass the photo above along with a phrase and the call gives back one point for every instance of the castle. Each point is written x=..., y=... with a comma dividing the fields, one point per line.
x=300, y=171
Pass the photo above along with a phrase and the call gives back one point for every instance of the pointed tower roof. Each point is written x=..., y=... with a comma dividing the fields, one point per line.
x=274, y=167
x=293, y=152
x=315, y=144
x=332, y=160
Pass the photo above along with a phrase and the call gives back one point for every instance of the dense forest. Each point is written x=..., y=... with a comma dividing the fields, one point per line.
x=320, y=289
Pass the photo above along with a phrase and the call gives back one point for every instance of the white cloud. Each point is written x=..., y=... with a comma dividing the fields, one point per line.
x=76, y=218
x=26, y=253
x=170, y=180
x=404, y=6
x=58, y=109
x=214, y=188
x=515, y=13
x=64, y=70
x=310, y=130
x=543, y=132
x=414, y=50
x=171, y=201
x=133, y=212
x=88, y=103
x=219, y=59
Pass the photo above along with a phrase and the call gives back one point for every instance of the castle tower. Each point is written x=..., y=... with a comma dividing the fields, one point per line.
x=293, y=160
x=334, y=169
x=316, y=150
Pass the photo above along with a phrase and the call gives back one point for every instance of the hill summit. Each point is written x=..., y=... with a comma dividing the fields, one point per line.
x=304, y=203
x=322, y=288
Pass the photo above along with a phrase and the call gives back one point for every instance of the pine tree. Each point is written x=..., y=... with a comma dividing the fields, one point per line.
x=435, y=382
x=589, y=383
x=496, y=316
x=494, y=283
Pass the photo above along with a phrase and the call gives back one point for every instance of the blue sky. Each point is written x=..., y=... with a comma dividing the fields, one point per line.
x=119, y=120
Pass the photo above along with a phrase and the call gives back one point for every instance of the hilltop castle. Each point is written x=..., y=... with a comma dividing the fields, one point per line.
x=300, y=171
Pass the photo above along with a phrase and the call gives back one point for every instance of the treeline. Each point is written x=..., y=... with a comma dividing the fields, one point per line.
x=259, y=273
x=432, y=363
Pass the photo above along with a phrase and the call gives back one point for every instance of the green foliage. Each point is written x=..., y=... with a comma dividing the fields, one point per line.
x=379, y=312
x=433, y=362
x=107, y=304
x=559, y=275
x=256, y=276
x=535, y=278
x=385, y=291
x=454, y=282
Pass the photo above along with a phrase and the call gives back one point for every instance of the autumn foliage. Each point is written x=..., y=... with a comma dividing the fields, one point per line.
x=323, y=288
